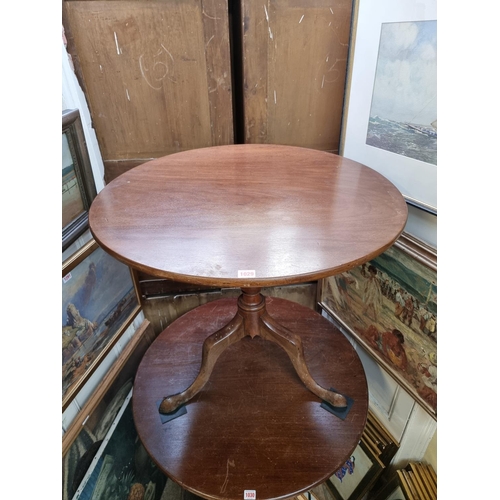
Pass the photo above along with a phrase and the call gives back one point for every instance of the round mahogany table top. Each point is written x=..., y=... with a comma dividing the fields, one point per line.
x=286, y=214
x=254, y=425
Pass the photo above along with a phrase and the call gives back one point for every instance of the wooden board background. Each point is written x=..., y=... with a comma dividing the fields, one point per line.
x=294, y=65
x=156, y=74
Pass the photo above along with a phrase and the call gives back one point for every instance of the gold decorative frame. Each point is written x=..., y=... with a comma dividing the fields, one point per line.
x=341, y=297
x=114, y=322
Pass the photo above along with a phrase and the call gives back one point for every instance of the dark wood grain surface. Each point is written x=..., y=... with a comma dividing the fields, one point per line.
x=254, y=425
x=290, y=214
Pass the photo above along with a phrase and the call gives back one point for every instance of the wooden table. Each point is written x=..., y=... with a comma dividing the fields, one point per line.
x=248, y=216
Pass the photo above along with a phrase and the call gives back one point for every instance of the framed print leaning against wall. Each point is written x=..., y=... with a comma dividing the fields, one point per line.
x=354, y=479
x=389, y=307
x=78, y=186
x=390, y=116
x=99, y=301
x=86, y=433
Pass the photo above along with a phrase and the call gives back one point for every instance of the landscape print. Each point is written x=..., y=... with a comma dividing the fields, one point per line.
x=98, y=297
x=390, y=305
x=403, y=113
x=72, y=202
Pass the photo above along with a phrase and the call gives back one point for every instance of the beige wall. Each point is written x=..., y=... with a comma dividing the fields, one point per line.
x=430, y=456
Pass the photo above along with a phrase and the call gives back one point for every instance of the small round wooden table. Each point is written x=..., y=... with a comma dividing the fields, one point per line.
x=251, y=372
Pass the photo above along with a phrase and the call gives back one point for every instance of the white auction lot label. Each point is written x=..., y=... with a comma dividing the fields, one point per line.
x=250, y=494
x=246, y=274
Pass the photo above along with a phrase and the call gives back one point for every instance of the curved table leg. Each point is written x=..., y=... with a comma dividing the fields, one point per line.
x=251, y=319
x=292, y=344
x=213, y=346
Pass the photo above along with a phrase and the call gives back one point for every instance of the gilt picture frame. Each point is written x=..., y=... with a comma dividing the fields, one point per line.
x=84, y=436
x=78, y=186
x=390, y=112
x=121, y=467
x=389, y=307
x=100, y=299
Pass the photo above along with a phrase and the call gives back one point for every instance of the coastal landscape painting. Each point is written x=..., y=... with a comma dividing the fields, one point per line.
x=403, y=114
x=99, y=300
x=389, y=305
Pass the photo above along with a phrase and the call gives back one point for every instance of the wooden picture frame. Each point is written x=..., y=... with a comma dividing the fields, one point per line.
x=100, y=299
x=417, y=481
x=81, y=440
x=360, y=472
x=380, y=440
x=390, y=112
x=389, y=307
x=392, y=491
x=121, y=467
x=78, y=186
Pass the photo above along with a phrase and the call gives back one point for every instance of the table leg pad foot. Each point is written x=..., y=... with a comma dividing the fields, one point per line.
x=340, y=412
x=166, y=417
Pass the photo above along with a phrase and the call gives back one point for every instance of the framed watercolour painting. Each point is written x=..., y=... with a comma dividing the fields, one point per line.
x=389, y=307
x=390, y=116
x=78, y=186
x=99, y=301
x=353, y=480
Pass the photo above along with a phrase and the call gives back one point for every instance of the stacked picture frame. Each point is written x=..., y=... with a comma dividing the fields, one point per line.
x=389, y=307
x=380, y=441
x=416, y=481
x=362, y=470
x=100, y=297
x=78, y=185
x=99, y=301
x=102, y=456
x=101, y=448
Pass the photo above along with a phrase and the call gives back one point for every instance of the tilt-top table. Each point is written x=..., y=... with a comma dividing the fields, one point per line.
x=250, y=372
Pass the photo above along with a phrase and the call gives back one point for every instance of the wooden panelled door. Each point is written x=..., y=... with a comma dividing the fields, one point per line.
x=163, y=76
x=156, y=74
x=294, y=71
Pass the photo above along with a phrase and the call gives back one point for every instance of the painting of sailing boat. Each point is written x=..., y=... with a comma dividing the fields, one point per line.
x=99, y=300
x=403, y=113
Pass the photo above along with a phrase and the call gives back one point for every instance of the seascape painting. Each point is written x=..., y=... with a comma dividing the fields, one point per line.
x=390, y=306
x=98, y=299
x=122, y=469
x=403, y=113
x=72, y=201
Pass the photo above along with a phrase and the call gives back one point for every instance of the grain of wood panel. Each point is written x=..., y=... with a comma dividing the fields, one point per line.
x=156, y=74
x=295, y=60
x=113, y=168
